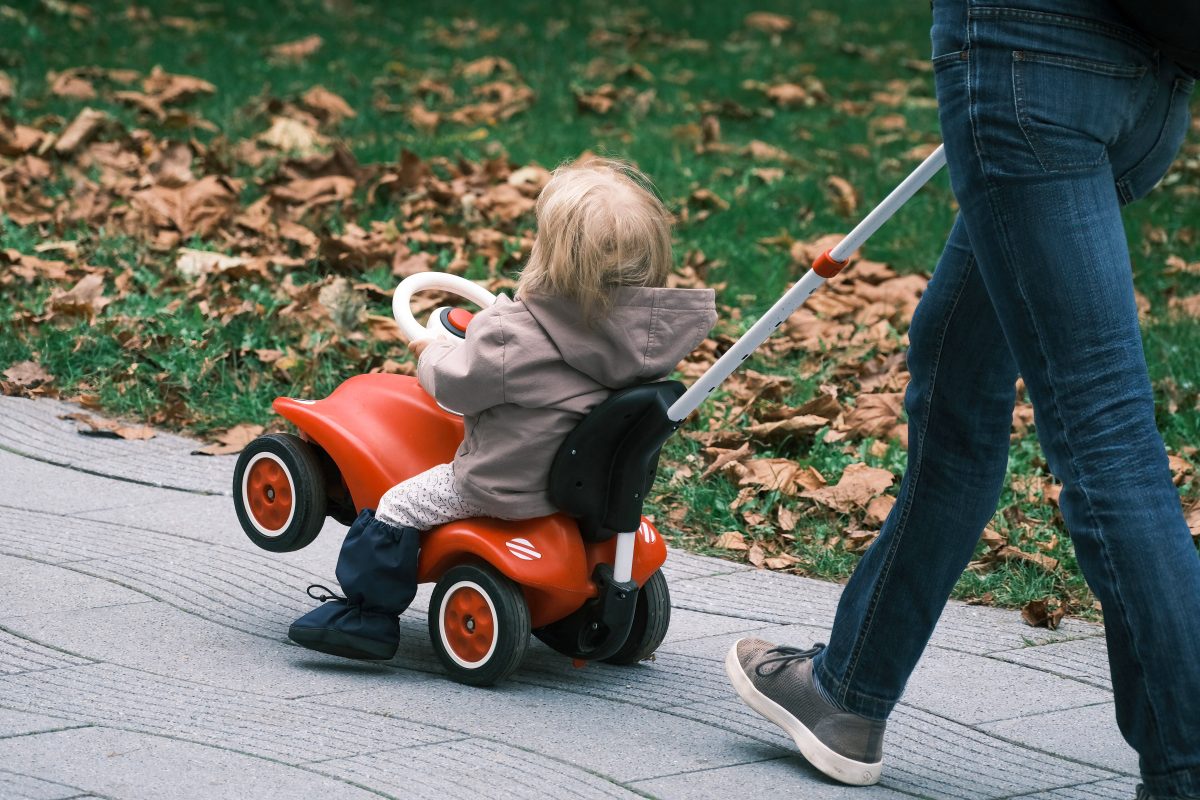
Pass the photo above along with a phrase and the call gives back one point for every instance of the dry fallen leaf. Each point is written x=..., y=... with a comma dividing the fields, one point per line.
x=93, y=426
x=781, y=561
x=293, y=136
x=28, y=374
x=992, y=539
x=767, y=22
x=797, y=426
x=333, y=107
x=1191, y=514
x=874, y=415
x=299, y=49
x=731, y=540
x=787, y=95
x=858, y=484
x=1044, y=613
x=845, y=198
x=878, y=509
x=84, y=299
x=1010, y=553
x=82, y=128
x=231, y=441
x=1181, y=469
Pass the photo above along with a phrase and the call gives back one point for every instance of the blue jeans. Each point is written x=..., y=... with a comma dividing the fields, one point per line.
x=1054, y=114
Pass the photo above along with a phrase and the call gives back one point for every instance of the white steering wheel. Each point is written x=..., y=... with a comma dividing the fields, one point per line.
x=422, y=281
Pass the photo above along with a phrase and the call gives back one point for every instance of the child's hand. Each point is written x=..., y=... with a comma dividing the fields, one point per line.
x=417, y=346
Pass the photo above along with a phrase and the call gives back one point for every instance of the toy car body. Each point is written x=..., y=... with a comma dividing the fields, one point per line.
x=375, y=431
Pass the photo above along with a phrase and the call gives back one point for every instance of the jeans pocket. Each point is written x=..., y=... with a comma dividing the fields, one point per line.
x=1071, y=109
x=946, y=59
x=1137, y=181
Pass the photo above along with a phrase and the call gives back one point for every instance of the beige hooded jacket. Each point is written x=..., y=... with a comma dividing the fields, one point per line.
x=530, y=369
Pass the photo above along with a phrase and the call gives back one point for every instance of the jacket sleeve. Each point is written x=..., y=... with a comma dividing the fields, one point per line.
x=468, y=376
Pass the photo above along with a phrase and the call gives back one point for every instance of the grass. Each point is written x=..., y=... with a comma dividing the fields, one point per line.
x=698, y=58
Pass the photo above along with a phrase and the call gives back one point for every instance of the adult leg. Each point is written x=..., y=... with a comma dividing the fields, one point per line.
x=1051, y=90
x=833, y=701
x=959, y=404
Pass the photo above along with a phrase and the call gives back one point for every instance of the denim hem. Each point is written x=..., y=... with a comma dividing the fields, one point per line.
x=1180, y=784
x=864, y=705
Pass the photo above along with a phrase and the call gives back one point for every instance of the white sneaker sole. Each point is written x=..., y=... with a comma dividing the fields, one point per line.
x=833, y=764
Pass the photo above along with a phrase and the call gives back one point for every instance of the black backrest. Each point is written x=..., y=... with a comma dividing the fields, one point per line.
x=605, y=467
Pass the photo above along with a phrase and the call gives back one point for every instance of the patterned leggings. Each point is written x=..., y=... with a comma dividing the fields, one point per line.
x=425, y=501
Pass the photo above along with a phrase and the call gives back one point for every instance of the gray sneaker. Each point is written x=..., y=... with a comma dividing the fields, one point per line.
x=777, y=683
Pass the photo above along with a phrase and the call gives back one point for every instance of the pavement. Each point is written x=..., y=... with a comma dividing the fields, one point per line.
x=143, y=654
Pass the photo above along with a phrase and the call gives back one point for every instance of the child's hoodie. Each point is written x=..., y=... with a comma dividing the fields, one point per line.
x=530, y=369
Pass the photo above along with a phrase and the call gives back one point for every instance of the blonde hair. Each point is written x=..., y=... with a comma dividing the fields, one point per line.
x=600, y=226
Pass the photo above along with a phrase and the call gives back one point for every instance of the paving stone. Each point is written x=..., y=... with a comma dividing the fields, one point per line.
x=471, y=769
x=58, y=539
x=531, y=718
x=20, y=723
x=15, y=786
x=682, y=565
x=1112, y=789
x=39, y=588
x=33, y=428
x=173, y=626
x=715, y=647
x=974, y=689
x=925, y=754
x=291, y=732
x=180, y=645
x=918, y=742
x=1089, y=734
x=788, y=599
x=1081, y=659
x=18, y=654
x=242, y=589
x=789, y=777
x=687, y=625
x=38, y=486
x=212, y=519
x=666, y=681
x=131, y=765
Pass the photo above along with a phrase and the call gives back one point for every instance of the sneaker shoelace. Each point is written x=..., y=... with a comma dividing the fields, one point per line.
x=328, y=593
x=786, y=657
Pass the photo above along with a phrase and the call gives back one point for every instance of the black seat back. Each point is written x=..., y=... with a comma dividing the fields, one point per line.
x=605, y=467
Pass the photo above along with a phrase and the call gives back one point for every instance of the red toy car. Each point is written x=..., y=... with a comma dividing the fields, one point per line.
x=589, y=589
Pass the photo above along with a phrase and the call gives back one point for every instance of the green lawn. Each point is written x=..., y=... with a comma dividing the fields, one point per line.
x=156, y=352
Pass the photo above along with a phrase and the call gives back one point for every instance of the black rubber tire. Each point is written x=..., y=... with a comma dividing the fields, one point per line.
x=300, y=463
x=651, y=619
x=511, y=621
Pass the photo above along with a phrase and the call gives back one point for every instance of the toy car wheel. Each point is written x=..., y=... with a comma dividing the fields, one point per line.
x=479, y=624
x=651, y=618
x=279, y=492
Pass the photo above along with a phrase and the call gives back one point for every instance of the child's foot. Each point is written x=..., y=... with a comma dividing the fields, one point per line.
x=777, y=682
x=339, y=628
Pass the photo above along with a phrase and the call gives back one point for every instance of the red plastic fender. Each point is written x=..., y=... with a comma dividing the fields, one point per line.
x=545, y=556
x=379, y=430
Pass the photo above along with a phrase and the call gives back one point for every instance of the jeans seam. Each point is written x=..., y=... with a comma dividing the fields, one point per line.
x=915, y=471
x=1119, y=32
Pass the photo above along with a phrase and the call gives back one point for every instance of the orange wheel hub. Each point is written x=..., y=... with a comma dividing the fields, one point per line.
x=469, y=624
x=269, y=494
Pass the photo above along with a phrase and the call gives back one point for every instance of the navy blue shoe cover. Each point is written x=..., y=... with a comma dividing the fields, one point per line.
x=377, y=568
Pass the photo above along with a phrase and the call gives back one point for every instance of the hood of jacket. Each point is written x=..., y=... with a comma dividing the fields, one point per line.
x=647, y=332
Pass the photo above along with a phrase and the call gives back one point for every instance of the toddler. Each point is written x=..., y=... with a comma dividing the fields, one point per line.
x=591, y=315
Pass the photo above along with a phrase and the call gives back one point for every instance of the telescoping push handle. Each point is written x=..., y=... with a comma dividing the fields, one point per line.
x=826, y=266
